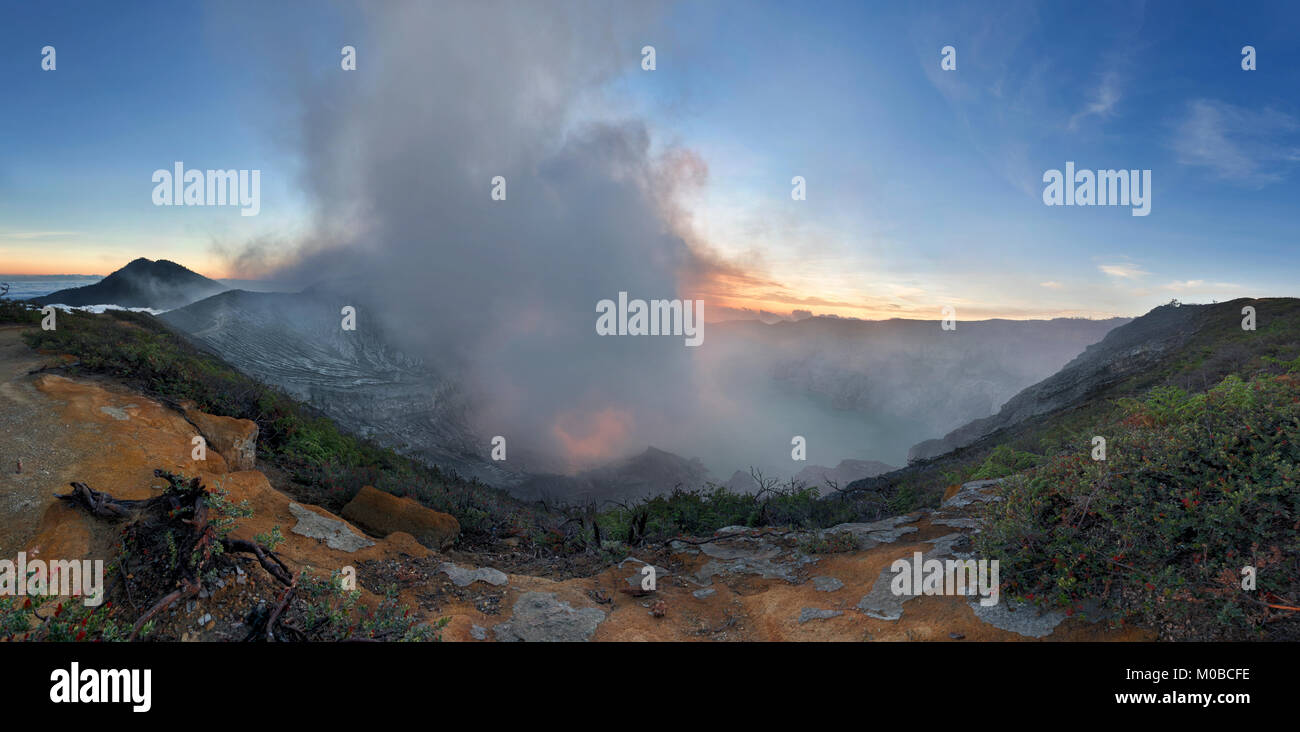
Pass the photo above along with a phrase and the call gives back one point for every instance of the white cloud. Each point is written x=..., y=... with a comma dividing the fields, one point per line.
x=1124, y=270
x=1199, y=286
x=1051, y=284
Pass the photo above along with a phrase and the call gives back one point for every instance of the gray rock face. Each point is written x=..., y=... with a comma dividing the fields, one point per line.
x=335, y=533
x=826, y=584
x=478, y=632
x=767, y=566
x=539, y=617
x=868, y=535
x=746, y=551
x=881, y=602
x=974, y=491
x=752, y=551
x=116, y=413
x=1018, y=618
x=361, y=378
x=636, y=578
x=812, y=613
x=956, y=523
x=462, y=577
x=704, y=593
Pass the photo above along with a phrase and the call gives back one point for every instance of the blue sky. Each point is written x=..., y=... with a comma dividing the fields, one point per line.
x=137, y=86
x=924, y=186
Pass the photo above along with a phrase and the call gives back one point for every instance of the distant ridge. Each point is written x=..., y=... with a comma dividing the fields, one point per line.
x=644, y=475
x=1128, y=350
x=144, y=283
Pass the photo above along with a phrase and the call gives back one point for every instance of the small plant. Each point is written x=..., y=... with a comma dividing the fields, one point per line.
x=829, y=543
x=57, y=619
x=270, y=539
x=331, y=613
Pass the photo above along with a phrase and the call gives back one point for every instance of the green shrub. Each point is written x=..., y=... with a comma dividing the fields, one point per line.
x=1194, y=488
x=1004, y=461
x=12, y=311
x=703, y=511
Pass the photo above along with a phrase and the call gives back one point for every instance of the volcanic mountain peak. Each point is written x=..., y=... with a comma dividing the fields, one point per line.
x=142, y=283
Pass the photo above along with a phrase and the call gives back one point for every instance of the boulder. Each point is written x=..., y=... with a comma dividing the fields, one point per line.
x=384, y=513
x=234, y=439
x=540, y=617
x=335, y=533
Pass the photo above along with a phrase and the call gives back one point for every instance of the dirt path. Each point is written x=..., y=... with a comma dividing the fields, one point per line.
x=88, y=430
x=32, y=431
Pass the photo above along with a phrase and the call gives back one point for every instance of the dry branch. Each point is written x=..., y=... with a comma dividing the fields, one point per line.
x=182, y=510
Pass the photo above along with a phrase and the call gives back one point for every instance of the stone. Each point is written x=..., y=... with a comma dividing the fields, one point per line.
x=116, y=413
x=540, y=617
x=974, y=491
x=234, y=439
x=956, y=523
x=874, y=533
x=750, y=555
x=636, y=578
x=881, y=602
x=826, y=584
x=384, y=513
x=465, y=577
x=812, y=613
x=336, y=534
x=705, y=593
x=1019, y=618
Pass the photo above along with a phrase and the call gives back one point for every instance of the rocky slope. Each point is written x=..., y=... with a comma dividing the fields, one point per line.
x=742, y=584
x=1126, y=351
x=296, y=342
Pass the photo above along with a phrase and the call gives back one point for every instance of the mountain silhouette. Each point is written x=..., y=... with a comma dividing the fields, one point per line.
x=144, y=283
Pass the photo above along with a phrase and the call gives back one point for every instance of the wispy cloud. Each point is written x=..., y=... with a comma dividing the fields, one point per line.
x=1103, y=100
x=1199, y=286
x=1050, y=284
x=37, y=235
x=1123, y=270
x=1245, y=146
